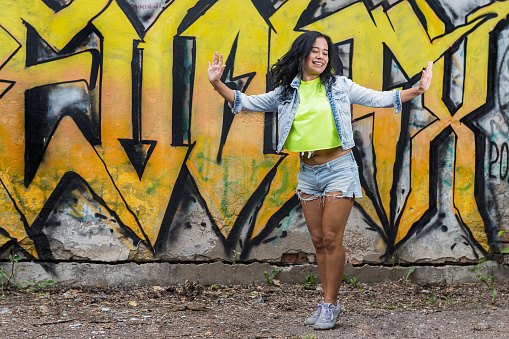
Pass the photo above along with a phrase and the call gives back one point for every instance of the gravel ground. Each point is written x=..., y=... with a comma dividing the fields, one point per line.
x=387, y=310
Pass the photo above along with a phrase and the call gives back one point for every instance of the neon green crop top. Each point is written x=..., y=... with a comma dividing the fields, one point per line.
x=313, y=127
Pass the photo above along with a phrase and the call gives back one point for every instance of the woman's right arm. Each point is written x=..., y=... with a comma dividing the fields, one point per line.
x=214, y=73
x=237, y=100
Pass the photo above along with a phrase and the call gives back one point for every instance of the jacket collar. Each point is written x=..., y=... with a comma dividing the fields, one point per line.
x=296, y=81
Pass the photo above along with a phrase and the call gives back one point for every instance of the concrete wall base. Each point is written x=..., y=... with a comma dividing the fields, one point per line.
x=92, y=274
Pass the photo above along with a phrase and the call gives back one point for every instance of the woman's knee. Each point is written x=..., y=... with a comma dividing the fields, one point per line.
x=331, y=243
x=317, y=242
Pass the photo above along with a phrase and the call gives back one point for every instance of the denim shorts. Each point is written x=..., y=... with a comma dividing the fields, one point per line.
x=338, y=175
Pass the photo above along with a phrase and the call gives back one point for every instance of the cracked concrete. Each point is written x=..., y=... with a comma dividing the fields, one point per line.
x=164, y=273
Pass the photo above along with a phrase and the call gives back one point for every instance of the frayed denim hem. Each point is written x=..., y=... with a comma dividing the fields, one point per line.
x=303, y=196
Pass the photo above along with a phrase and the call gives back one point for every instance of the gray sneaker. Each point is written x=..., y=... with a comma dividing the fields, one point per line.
x=328, y=317
x=312, y=320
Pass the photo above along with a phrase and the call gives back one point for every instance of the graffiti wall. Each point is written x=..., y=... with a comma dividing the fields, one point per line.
x=114, y=146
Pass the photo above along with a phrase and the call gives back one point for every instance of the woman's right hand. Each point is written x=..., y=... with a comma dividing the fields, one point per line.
x=216, y=69
x=214, y=73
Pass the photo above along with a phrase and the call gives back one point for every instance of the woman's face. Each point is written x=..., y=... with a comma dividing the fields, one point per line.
x=317, y=60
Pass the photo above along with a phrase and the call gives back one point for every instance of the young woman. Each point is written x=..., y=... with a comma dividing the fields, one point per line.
x=314, y=119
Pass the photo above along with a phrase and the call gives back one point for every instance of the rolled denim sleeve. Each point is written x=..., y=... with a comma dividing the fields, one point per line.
x=397, y=100
x=265, y=102
x=369, y=97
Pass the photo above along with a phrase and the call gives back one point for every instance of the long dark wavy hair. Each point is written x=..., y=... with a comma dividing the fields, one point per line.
x=285, y=69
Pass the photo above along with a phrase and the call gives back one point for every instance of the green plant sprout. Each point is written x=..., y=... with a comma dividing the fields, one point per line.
x=394, y=266
x=23, y=286
x=432, y=299
x=505, y=250
x=270, y=278
x=234, y=262
x=488, y=280
x=355, y=283
x=410, y=271
x=6, y=279
x=310, y=280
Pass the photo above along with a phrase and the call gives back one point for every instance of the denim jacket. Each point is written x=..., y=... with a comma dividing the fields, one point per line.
x=341, y=94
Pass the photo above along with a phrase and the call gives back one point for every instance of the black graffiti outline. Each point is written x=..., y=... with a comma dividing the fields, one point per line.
x=439, y=10
x=166, y=234
x=15, y=51
x=388, y=58
x=132, y=16
x=481, y=137
x=39, y=246
x=446, y=91
x=500, y=154
x=307, y=15
x=500, y=103
x=181, y=110
x=193, y=14
x=93, y=135
x=374, y=197
x=339, y=64
x=391, y=246
x=271, y=218
x=433, y=199
x=64, y=183
x=55, y=6
x=232, y=82
x=135, y=148
x=10, y=56
x=248, y=214
x=64, y=50
x=270, y=119
x=8, y=88
x=480, y=147
x=266, y=9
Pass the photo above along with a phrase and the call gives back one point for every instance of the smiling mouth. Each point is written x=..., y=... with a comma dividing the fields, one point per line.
x=318, y=63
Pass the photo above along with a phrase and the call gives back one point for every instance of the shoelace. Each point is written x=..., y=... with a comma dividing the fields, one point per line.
x=318, y=309
x=327, y=314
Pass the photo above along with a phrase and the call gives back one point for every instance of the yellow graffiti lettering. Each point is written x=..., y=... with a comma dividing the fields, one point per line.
x=100, y=94
x=227, y=185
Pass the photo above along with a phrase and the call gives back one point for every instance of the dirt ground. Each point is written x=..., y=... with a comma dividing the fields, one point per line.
x=387, y=310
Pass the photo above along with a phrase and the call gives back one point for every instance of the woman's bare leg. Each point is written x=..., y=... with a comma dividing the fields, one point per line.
x=334, y=218
x=313, y=211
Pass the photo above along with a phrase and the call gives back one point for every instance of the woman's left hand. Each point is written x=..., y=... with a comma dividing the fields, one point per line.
x=426, y=78
x=410, y=93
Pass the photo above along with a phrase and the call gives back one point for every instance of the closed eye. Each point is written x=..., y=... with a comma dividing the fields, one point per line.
x=316, y=50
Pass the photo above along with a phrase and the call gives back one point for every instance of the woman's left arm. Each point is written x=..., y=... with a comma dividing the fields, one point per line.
x=410, y=93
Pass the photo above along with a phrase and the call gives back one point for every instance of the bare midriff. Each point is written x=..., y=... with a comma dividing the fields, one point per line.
x=324, y=155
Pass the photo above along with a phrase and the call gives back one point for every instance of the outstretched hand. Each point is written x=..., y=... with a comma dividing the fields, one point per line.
x=426, y=78
x=216, y=69
x=410, y=93
x=214, y=73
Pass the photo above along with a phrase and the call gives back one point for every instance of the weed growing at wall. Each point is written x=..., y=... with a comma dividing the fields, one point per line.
x=505, y=250
x=355, y=283
x=488, y=280
x=7, y=279
x=234, y=263
x=411, y=270
x=394, y=266
x=271, y=277
x=310, y=281
x=432, y=299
